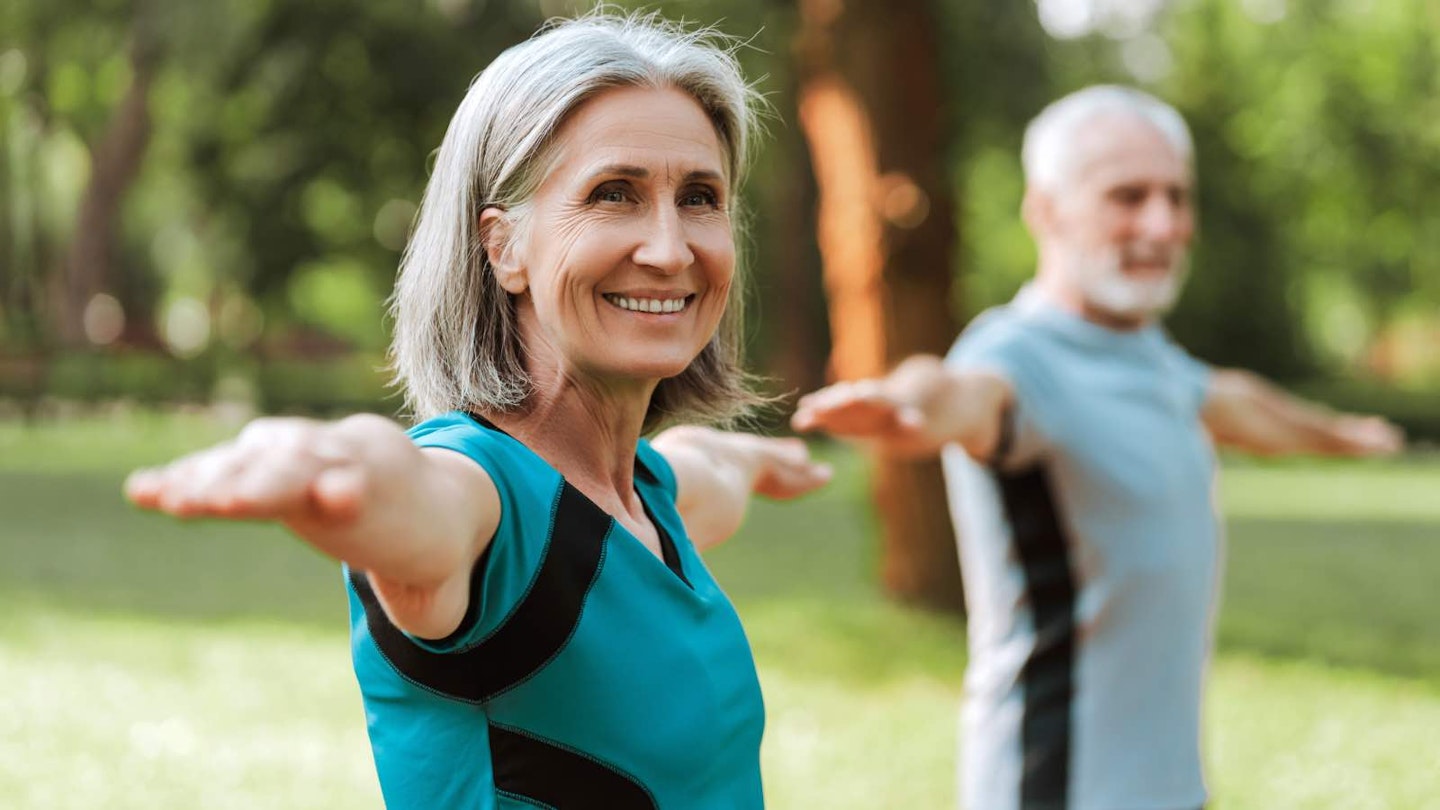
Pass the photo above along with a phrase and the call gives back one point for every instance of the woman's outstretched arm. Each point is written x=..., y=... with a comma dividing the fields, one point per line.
x=717, y=472
x=415, y=520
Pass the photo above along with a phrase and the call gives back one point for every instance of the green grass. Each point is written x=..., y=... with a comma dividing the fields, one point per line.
x=153, y=664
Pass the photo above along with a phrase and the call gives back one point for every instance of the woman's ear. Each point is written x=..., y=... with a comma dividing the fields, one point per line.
x=498, y=234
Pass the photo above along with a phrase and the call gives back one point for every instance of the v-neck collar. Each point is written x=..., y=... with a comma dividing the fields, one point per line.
x=645, y=478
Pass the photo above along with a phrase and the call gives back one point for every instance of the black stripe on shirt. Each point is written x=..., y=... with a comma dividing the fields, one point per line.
x=1006, y=441
x=552, y=775
x=1048, y=674
x=537, y=628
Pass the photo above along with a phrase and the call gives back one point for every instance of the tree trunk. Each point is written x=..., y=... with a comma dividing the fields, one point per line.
x=792, y=301
x=114, y=163
x=871, y=108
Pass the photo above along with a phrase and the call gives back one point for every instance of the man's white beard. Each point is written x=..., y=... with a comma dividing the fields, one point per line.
x=1106, y=287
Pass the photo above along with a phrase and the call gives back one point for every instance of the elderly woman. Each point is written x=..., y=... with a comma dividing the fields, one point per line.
x=532, y=624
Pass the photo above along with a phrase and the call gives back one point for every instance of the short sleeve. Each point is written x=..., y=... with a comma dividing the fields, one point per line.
x=655, y=465
x=528, y=489
x=995, y=345
x=1192, y=376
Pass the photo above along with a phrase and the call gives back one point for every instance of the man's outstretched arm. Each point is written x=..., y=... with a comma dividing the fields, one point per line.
x=1244, y=411
x=914, y=410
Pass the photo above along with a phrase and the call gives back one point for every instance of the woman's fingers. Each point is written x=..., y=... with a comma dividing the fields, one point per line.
x=143, y=487
x=789, y=471
x=276, y=469
x=184, y=487
x=276, y=484
x=338, y=491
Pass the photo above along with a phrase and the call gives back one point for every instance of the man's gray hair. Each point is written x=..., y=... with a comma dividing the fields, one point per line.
x=456, y=343
x=1048, y=153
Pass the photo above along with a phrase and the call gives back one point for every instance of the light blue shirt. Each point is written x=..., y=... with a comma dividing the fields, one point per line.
x=1090, y=549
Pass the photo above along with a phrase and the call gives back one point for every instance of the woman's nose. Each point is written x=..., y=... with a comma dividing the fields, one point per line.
x=664, y=246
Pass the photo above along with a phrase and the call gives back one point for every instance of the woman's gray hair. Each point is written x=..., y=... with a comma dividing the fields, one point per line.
x=1049, y=151
x=456, y=344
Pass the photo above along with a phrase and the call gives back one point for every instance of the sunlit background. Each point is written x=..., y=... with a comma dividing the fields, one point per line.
x=202, y=206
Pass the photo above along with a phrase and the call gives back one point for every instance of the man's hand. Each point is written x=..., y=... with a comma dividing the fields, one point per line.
x=864, y=411
x=1244, y=411
x=913, y=411
x=1352, y=435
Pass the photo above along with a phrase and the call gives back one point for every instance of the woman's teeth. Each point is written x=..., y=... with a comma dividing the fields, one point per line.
x=655, y=305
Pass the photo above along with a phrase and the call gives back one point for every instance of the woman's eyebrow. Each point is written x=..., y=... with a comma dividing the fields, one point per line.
x=622, y=169
x=641, y=173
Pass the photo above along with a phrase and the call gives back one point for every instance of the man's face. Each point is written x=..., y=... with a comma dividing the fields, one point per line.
x=1120, y=225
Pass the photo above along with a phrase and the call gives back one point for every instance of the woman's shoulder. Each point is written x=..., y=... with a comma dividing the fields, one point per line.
x=505, y=459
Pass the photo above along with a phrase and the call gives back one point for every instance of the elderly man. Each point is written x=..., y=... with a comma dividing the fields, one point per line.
x=1077, y=442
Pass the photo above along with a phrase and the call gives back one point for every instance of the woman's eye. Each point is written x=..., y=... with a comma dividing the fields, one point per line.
x=704, y=197
x=608, y=194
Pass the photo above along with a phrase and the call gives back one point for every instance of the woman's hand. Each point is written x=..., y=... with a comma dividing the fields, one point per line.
x=717, y=472
x=358, y=490
x=290, y=470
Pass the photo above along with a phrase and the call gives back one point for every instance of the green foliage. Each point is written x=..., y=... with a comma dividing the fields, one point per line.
x=340, y=297
x=339, y=386
x=289, y=142
x=320, y=386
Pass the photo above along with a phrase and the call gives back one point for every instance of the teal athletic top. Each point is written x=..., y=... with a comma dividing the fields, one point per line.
x=587, y=672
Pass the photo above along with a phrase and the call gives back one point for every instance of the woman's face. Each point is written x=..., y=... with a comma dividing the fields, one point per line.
x=626, y=259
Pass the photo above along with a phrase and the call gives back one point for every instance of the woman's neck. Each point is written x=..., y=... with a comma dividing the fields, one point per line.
x=586, y=429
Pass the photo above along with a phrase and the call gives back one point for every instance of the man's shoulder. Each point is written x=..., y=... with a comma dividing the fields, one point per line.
x=998, y=330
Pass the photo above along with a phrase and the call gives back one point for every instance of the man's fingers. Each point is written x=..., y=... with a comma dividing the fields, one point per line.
x=1372, y=435
x=910, y=417
x=858, y=409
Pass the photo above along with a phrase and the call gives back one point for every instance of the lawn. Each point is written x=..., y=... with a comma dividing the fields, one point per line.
x=153, y=664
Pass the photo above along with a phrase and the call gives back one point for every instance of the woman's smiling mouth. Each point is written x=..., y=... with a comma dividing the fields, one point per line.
x=657, y=306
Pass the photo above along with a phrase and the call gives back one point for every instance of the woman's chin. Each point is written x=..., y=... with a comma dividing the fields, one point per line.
x=646, y=369
x=661, y=370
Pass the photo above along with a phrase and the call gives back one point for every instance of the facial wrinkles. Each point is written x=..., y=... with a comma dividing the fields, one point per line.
x=582, y=247
x=1123, y=168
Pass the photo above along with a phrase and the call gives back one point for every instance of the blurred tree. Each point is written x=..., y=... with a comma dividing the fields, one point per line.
x=115, y=159
x=871, y=107
x=313, y=141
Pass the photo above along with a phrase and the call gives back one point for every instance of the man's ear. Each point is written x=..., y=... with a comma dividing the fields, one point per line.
x=498, y=234
x=1038, y=211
